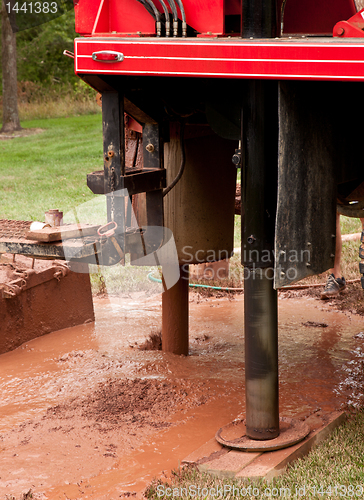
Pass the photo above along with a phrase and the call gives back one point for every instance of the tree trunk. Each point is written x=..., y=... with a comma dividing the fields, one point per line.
x=11, y=120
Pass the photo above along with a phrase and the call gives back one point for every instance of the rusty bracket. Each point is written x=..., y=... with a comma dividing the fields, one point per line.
x=353, y=27
x=60, y=270
x=31, y=278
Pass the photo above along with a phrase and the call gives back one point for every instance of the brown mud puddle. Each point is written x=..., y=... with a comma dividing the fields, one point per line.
x=83, y=415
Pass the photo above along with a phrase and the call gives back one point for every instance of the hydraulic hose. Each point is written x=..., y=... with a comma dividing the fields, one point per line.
x=175, y=17
x=166, y=15
x=183, y=14
x=147, y=6
x=152, y=9
x=157, y=17
x=183, y=162
x=197, y=285
x=282, y=16
x=228, y=289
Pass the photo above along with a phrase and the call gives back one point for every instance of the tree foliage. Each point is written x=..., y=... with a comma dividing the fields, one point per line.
x=40, y=49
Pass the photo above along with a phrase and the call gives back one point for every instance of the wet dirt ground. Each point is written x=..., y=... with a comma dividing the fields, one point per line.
x=86, y=414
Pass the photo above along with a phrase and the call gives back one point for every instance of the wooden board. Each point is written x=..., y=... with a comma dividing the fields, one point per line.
x=60, y=233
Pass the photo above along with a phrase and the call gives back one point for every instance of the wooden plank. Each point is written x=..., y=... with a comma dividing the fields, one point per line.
x=230, y=464
x=60, y=233
x=273, y=463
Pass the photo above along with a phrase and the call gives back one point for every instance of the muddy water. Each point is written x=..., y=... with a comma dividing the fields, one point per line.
x=70, y=458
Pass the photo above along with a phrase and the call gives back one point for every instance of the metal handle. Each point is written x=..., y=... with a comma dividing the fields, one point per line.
x=68, y=54
x=107, y=230
x=108, y=56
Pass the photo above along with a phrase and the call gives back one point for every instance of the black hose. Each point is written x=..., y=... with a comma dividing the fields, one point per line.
x=183, y=163
x=175, y=16
x=166, y=15
x=148, y=4
x=157, y=17
x=282, y=16
x=183, y=14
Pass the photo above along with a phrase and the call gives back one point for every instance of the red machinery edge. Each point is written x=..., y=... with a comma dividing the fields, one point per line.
x=119, y=39
x=305, y=59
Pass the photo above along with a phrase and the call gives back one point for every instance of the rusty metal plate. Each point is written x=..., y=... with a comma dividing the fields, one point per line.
x=306, y=206
x=86, y=249
x=233, y=435
x=13, y=229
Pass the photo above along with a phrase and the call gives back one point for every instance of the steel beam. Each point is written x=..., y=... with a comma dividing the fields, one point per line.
x=259, y=195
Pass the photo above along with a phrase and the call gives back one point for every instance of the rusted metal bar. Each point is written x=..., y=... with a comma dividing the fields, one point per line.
x=135, y=181
x=175, y=314
x=114, y=155
x=153, y=158
x=89, y=249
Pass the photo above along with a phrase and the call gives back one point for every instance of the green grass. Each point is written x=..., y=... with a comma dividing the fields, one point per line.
x=334, y=469
x=48, y=170
x=350, y=225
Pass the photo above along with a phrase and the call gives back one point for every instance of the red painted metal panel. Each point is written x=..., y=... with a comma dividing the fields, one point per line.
x=85, y=15
x=315, y=17
x=129, y=17
x=110, y=16
x=323, y=59
x=206, y=15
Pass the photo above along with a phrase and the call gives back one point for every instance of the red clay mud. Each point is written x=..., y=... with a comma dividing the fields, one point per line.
x=47, y=297
x=85, y=416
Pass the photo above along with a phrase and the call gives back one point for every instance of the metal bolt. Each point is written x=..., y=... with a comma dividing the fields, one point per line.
x=340, y=31
x=236, y=159
x=332, y=255
x=149, y=148
x=308, y=243
x=251, y=239
x=283, y=274
x=333, y=236
x=308, y=264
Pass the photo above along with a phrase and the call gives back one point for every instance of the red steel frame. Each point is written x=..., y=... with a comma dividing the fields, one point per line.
x=323, y=58
x=207, y=17
x=125, y=26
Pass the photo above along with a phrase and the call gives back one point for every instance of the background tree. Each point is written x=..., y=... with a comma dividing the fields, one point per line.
x=11, y=120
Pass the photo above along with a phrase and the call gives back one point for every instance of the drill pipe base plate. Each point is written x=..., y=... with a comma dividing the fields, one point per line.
x=233, y=435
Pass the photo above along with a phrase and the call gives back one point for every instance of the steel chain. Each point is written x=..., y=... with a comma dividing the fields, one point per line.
x=112, y=209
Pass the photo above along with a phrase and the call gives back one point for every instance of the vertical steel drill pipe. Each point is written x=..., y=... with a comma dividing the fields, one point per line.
x=259, y=195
